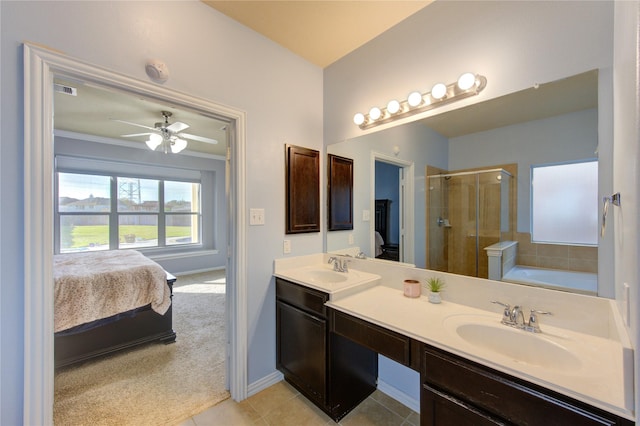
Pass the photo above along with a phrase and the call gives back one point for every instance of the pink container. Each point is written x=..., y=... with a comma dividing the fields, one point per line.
x=412, y=288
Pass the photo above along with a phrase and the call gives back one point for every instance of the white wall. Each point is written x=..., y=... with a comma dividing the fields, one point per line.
x=626, y=172
x=564, y=138
x=209, y=56
x=513, y=44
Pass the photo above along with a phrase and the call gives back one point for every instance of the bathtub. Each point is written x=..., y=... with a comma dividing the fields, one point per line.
x=579, y=282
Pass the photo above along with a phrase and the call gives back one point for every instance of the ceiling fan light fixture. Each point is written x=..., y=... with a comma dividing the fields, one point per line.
x=178, y=145
x=154, y=141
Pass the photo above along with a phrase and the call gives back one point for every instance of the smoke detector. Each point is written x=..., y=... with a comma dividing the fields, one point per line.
x=157, y=70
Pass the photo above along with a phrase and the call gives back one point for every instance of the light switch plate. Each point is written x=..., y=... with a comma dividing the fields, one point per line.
x=366, y=215
x=256, y=216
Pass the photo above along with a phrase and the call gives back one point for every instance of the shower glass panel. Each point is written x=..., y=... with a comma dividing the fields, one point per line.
x=467, y=212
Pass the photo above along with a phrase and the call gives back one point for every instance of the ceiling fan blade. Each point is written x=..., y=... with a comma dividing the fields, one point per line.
x=177, y=127
x=133, y=124
x=133, y=135
x=198, y=138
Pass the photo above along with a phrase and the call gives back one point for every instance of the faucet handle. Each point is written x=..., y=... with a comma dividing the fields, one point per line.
x=533, y=320
x=506, y=314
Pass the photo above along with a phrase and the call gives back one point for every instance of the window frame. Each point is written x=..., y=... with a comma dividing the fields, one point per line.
x=114, y=215
x=532, y=205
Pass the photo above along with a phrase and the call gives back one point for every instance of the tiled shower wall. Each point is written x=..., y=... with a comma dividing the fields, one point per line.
x=555, y=256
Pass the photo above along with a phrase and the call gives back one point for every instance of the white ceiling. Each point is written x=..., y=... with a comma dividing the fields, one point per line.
x=94, y=109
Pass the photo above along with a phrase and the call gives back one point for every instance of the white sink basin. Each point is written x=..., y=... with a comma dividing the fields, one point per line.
x=518, y=345
x=325, y=276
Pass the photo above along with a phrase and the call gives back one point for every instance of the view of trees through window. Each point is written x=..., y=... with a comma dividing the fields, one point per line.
x=97, y=212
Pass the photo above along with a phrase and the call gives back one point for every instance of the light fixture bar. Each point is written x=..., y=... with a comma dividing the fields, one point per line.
x=429, y=101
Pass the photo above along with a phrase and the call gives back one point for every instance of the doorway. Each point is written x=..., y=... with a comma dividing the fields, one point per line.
x=392, y=198
x=41, y=67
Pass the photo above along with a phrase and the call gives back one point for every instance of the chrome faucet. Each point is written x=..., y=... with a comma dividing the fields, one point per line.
x=514, y=317
x=517, y=317
x=339, y=265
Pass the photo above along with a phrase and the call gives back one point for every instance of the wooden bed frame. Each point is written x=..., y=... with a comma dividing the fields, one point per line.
x=144, y=327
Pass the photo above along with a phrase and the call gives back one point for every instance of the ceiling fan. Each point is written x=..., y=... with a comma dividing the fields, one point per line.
x=169, y=136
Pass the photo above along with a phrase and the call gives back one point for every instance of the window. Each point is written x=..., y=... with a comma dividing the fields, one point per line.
x=564, y=203
x=98, y=212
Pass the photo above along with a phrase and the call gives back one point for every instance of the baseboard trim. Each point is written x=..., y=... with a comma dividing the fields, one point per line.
x=383, y=387
x=399, y=396
x=199, y=271
x=264, y=383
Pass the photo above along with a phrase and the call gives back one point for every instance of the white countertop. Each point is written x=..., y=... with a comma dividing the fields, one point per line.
x=596, y=376
x=597, y=381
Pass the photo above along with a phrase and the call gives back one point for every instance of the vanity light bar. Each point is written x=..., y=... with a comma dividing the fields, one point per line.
x=468, y=84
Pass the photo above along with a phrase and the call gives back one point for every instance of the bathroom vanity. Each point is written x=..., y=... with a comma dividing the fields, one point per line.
x=333, y=372
x=330, y=329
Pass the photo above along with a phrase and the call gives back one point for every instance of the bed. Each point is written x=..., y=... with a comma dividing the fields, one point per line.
x=109, y=301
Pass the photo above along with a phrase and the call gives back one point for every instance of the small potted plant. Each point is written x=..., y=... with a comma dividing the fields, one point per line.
x=436, y=285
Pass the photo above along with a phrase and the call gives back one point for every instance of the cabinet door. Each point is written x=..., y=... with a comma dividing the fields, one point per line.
x=301, y=350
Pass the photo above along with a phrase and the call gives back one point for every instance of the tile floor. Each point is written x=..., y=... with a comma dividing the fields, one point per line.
x=283, y=405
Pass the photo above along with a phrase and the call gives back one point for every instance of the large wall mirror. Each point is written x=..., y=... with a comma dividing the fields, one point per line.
x=472, y=184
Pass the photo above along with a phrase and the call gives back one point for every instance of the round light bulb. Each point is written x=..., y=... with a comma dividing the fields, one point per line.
x=466, y=81
x=375, y=113
x=414, y=99
x=439, y=91
x=358, y=119
x=393, y=106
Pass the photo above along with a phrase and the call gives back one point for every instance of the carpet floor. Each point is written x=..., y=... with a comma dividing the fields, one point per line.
x=155, y=384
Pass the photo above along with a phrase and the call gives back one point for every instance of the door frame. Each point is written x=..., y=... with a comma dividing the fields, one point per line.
x=40, y=66
x=407, y=215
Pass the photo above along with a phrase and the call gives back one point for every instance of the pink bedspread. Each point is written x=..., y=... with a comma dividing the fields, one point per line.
x=95, y=285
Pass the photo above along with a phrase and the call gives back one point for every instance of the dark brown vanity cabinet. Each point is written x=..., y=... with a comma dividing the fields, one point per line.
x=456, y=391
x=333, y=372
x=331, y=358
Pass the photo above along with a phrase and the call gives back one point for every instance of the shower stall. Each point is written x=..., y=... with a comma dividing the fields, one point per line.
x=466, y=212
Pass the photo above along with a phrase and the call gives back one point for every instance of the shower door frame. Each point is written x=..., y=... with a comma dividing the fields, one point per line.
x=477, y=206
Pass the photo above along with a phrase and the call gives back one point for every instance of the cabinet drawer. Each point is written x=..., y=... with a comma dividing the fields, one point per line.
x=305, y=298
x=385, y=342
x=504, y=396
x=439, y=408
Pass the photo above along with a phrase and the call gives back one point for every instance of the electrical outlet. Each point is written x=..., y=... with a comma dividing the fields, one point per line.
x=351, y=240
x=366, y=215
x=286, y=247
